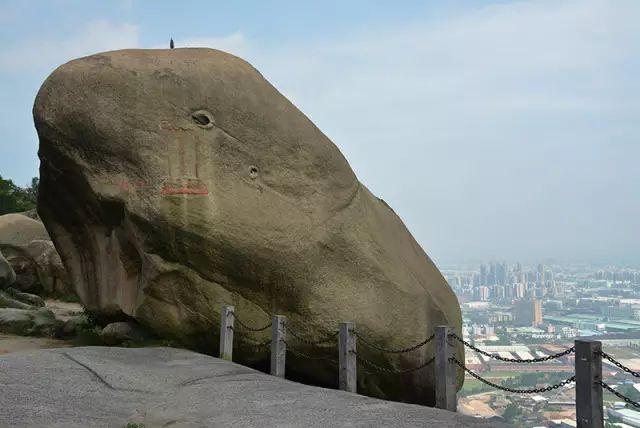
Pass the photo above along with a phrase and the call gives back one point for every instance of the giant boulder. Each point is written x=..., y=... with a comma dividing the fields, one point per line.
x=176, y=181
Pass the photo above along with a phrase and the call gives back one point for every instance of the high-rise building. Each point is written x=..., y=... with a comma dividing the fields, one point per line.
x=483, y=275
x=522, y=279
x=519, y=290
x=528, y=313
x=501, y=273
x=541, y=278
x=483, y=293
x=492, y=274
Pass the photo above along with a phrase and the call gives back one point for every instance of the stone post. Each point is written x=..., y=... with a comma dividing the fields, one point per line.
x=278, y=345
x=226, y=333
x=445, y=369
x=348, y=362
x=588, y=388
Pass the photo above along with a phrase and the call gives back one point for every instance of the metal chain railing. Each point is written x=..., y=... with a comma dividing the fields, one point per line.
x=513, y=360
x=392, y=351
x=295, y=352
x=619, y=364
x=512, y=390
x=619, y=395
x=394, y=371
x=248, y=327
x=589, y=386
x=301, y=338
x=256, y=344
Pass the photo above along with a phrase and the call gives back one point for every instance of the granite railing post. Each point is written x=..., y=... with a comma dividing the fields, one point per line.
x=226, y=333
x=445, y=369
x=588, y=368
x=348, y=378
x=278, y=345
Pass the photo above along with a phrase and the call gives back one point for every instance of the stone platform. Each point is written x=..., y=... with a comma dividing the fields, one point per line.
x=165, y=387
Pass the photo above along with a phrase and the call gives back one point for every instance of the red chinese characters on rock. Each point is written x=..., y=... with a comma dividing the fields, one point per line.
x=185, y=187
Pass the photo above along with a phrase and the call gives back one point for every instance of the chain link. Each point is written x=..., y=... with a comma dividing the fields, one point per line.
x=393, y=351
x=257, y=344
x=294, y=351
x=247, y=327
x=619, y=395
x=394, y=371
x=515, y=391
x=326, y=339
x=513, y=360
x=619, y=364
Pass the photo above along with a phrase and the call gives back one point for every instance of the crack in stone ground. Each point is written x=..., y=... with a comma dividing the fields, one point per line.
x=101, y=379
x=201, y=378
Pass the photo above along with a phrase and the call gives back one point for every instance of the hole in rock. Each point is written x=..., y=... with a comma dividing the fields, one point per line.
x=202, y=118
x=253, y=172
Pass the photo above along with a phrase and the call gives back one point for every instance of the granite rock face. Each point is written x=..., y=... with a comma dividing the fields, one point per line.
x=7, y=275
x=175, y=181
x=164, y=387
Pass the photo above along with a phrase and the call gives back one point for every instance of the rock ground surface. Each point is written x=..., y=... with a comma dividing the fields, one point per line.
x=10, y=343
x=63, y=311
x=158, y=387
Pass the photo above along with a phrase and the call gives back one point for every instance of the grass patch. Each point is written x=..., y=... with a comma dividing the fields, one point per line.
x=624, y=353
x=470, y=384
x=499, y=375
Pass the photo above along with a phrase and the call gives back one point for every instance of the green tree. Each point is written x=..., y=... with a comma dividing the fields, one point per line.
x=511, y=412
x=629, y=391
x=15, y=198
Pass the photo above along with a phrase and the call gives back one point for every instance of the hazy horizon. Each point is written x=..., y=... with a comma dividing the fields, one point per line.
x=497, y=130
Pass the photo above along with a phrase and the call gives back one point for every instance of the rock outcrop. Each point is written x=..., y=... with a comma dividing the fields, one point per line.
x=28, y=321
x=32, y=255
x=176, y=181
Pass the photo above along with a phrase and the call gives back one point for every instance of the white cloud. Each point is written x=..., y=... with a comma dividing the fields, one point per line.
x=490, y=132
x=36, y=55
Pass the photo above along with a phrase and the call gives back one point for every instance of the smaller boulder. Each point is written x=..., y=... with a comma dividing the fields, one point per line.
x=32, y=214
x=74, y=326
x=7, y=301
x=118, y=332
x=29, y=299
x=7, y=275
x=51, y=272
x=28, y=322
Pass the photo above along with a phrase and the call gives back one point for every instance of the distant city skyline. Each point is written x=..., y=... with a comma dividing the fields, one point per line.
x=495, y=129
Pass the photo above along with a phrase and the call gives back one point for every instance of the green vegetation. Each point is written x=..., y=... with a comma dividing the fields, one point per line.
x=15, y=198
x=629, y=391
x=620, y=352
x=533, y=379
x=511, y=412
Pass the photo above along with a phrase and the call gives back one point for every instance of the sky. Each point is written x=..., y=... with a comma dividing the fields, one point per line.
x=497, y=130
